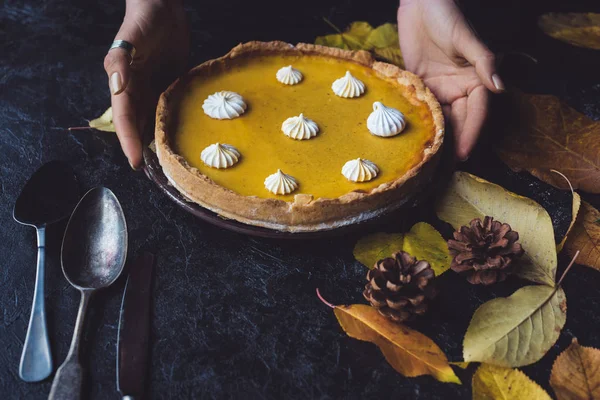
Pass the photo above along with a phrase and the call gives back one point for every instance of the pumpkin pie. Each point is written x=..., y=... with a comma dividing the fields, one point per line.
x=298, y=138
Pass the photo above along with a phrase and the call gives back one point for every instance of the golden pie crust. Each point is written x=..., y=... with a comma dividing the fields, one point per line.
x=303, y=214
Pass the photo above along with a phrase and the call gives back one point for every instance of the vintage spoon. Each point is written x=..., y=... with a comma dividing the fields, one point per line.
x=93, y=255
x=49, y=196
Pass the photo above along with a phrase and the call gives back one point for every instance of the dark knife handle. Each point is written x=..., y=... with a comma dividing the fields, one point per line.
x=134, y=329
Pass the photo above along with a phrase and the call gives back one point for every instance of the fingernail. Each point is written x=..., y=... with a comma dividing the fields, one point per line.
x=134, y=167
x=115, y=83
x=498, y=82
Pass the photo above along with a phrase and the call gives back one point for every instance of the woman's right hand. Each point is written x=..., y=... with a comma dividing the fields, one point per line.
x=158, y=29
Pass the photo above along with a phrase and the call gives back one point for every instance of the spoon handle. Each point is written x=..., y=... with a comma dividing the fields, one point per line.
x=68, y=381
x=36, y=360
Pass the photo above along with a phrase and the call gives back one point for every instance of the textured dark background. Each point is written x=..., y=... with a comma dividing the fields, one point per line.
x=235, y=316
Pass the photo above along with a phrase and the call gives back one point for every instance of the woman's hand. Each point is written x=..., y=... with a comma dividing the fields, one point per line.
x=438, y=44
x=159, y=32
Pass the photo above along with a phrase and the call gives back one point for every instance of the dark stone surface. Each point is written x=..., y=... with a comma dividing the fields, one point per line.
x=235, y=316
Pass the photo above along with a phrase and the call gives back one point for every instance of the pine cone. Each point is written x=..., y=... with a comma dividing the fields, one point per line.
x=485, y=252
x=399, y=286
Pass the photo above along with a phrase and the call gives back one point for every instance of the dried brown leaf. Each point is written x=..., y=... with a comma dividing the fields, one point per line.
x=578, y=29
x=585, y=237
x=542, y=133
x=576, y=373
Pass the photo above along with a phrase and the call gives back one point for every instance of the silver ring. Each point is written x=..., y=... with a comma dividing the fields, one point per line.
x=125, y=45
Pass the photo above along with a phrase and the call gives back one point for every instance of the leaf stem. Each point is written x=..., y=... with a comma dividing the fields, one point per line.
x=335, y=28
x=566, y=179
x=568, y=268
x=522, y=54
x=323, y=300
x=80, y=128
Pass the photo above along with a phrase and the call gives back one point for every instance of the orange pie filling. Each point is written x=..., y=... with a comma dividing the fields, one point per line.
x=317, y=163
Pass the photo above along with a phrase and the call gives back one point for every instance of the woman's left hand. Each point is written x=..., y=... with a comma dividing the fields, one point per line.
x=438, y=44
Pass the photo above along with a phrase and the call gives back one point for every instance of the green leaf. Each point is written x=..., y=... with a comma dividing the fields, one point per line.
x=470, y=197
x=516, y=330
x=382, y=41
x=333, y=40
x=372, y=248
x=424, y=242
x=104, y=122
x=385, y=35
x=391, y=55
x=354, y=38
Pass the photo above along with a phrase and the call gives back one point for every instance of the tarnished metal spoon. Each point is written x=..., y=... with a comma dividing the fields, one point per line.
x=93, y=255
x=49, y=196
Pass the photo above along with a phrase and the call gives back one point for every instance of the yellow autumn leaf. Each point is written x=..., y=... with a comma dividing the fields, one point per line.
x=409, y=352
x=494, y=383
x=381, y=41
x=578, y=29
x=104, y=122
x=469, y=197
x=423, y=241
x=461, y=364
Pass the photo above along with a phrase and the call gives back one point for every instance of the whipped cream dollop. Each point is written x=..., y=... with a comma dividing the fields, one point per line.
x=224, y=105
x=348, y=86
x=289, y=75
x=385, y=121
x=281, y=183
x=300, y=127
x=220, y=155
x=360, y=170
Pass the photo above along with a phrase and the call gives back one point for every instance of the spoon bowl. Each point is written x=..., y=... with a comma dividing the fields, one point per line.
x=95, y=243
x=93, y=256
x=48, y=196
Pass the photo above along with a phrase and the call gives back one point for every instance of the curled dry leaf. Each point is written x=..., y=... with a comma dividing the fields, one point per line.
x=382, y=41
x=516, y=330
x=491, y=382
x=409, y=352
x=469, y=197
x=541, y=133
x=576, y=373
x=578, y=29
x=575, y=205
x=585, y=237
x=423, y=241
